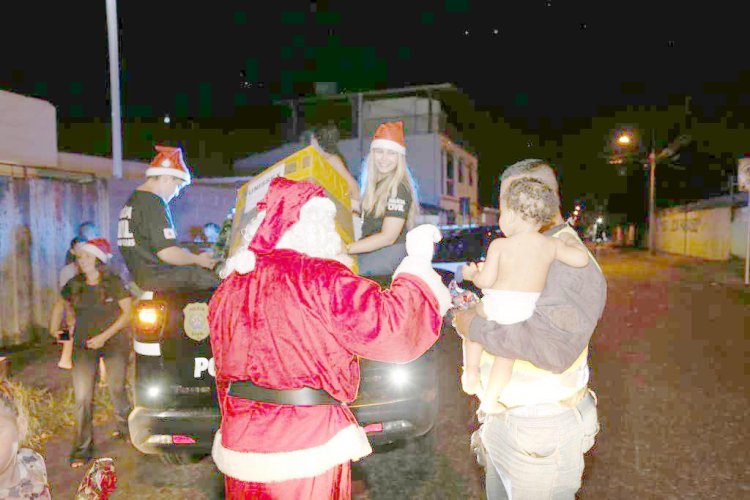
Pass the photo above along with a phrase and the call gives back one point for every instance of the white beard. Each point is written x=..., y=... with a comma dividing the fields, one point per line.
x=314, y=235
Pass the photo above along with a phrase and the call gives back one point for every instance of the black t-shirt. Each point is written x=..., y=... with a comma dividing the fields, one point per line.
x=96, y=308
x=396, y=206
x=145, y=227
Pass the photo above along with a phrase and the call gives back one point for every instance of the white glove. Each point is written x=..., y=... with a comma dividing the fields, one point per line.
x=420, y=241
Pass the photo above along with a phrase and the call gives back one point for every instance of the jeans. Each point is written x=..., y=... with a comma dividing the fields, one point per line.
x=538, y=457
x=85, y=366
x=381, y=262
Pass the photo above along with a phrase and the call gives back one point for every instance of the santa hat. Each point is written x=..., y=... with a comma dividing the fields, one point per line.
x=98, y=247
x=390, y=135
x=282, y=205
x=168, y=161
x=279, y=224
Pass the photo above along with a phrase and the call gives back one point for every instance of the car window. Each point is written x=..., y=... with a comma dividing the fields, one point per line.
x=465, y=245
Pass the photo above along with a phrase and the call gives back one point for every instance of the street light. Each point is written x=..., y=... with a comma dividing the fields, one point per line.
x=683, y=140
x=624, y=139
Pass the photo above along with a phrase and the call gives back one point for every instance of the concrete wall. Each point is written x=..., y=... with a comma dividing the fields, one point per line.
x=39, y=217
x=701, y=233
x=28, y=131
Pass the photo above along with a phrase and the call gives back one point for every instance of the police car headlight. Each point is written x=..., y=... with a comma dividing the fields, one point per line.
x=399, y=376
x=148, y=316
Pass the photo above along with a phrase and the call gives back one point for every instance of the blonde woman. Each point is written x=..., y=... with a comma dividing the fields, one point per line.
x=389, y=204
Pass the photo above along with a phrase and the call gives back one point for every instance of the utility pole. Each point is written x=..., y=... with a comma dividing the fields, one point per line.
x=670, y=150
x=652, y=197
x=114, y=88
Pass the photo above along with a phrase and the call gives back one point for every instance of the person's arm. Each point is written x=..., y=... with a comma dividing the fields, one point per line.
x=178, y=256
x=395, y=325
x=55, y=319
x=389, y=233
x=396, y=213
x=339, y=166
x=570, y=251
x=555, y=334
x=486, y=276
x=159, y=231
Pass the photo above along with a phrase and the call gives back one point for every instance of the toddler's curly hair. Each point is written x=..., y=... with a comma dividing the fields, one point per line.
x=532, y=199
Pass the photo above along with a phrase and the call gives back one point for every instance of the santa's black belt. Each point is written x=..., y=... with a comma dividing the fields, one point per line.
x=299, y=397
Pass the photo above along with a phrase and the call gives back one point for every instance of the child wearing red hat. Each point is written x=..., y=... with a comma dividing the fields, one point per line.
x=389, y=203
x=102, y=308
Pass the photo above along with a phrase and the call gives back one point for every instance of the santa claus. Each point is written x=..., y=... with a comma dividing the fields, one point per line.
x=288, y=324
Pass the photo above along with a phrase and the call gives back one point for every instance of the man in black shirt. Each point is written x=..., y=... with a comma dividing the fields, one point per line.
x=146, y=235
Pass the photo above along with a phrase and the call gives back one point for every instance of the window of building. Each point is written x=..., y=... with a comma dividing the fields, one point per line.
x=449, y=174
x=460, y=171
x=471, y=175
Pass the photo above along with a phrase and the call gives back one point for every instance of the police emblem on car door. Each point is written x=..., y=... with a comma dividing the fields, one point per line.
x=196, y=320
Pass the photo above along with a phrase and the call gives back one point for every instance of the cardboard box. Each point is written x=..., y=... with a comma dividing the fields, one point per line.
x=305, y=165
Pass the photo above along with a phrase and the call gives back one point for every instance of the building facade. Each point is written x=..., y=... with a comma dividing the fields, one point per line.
x=445, y=172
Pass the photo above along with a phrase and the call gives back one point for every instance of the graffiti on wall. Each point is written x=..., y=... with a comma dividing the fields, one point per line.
x=699, y=233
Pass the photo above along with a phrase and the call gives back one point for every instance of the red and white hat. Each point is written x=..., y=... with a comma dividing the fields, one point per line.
x=390, y=135
x=168, y=161
x=98, y=247
x=282, y=205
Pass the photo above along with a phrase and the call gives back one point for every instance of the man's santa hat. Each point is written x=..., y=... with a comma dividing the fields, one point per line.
x=390, y=135
x=98, y=247
x=168, y=161
x=293, y=214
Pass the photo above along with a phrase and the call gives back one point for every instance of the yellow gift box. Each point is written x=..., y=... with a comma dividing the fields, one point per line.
x=305, y=165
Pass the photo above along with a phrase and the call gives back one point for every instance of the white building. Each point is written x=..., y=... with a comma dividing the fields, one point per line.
x=445, y=172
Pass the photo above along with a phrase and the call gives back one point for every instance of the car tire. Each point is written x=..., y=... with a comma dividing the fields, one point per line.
x=181, y=458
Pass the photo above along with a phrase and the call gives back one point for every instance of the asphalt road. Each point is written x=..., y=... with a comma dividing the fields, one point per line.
x=669, y=365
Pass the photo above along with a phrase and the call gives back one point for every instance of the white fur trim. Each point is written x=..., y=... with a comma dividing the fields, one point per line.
x=174, y=172
x=350, y=443
x=315, y=233
x=93, y=250
x=422, y=269
x=242, y=262
x=388, y=144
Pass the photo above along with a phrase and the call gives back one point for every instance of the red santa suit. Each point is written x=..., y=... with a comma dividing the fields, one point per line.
x=289, y=315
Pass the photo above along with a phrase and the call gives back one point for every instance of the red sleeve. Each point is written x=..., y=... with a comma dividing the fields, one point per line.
x=227, y=318
x=395, y=325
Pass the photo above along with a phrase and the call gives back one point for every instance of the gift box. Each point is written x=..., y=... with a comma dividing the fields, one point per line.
x=307, y=164
x=100, y=481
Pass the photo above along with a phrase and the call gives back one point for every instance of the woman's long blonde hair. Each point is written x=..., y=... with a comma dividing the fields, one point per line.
x=377, y=188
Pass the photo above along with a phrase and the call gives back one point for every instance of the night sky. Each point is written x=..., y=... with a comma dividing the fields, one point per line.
x=532, y=73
